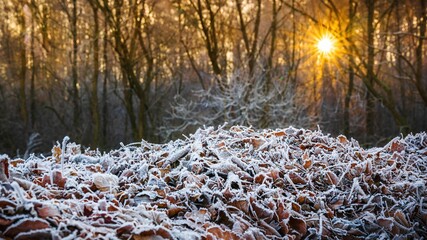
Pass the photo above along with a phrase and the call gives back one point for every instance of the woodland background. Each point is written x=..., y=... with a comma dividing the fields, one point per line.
x=111, y=71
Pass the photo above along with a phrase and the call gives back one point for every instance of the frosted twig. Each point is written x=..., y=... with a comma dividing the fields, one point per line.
x=320, y=226
x=176, y=156
x=64, y=146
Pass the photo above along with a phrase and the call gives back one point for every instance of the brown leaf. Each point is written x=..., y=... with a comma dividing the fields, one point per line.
x=4, y=203
x=306, y=159
x=368, y=168
x=5, y=221
x=297, y=179
x=401, y=218
x=256, y=142
x=244, y=176
x=331, y=178
x=296, y=207
x=269, y=230
x=44, y=211
x=25, y=225
x=43, y=181
x=305, y=146
x=262, y=212
x=342, y=139
x=200, y=216
x=324, y=146
x=307, y=163
x=282, y=212
x=336, y=202
x=126, y=228
x=423, y=216
x=329, y=213
x=34, y=234
x=58, y=179
x=87, y=210
x=221, y=144
x=386, y=223
x=301, y=198
x=279, y=133
x=298, y=225
x=4, y=168
x=260, y=177
x=239, y=227
x=356, y=232
x=284, y=229
x=16, y=162
x=396, y=146
x=222, y=233
x=56, y=153
x=241, y=204
x=274, y=174
x=174, y=210
x=157, y=232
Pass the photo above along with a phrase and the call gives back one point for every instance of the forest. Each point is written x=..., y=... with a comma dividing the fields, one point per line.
x=111, y=71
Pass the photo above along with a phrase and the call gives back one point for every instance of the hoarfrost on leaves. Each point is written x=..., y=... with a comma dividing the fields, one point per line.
x=220, y=183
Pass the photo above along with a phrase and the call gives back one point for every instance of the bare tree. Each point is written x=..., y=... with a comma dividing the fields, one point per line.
x=208, y=20
x=94, y=106
x=213, y=107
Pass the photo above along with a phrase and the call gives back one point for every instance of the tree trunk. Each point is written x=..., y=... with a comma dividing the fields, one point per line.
x=264, y=123
x=251, y=44
x=351, y=13
x=370, y=101
x=211, y=40
x=75, y=83
x=399, y=64
x=105, y=87
x=294, y=64
x=272, y=45
x=94, y=84
x=420, y=83
x=128, y=98
x=33, y=75
x=23, y=74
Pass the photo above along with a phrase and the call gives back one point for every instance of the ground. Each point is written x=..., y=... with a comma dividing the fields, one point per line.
x=220, y=183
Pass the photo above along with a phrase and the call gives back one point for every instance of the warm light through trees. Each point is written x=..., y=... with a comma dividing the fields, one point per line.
x=325, y=45
x=105, y=71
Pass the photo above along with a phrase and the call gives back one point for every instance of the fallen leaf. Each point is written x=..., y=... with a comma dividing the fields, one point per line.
x=331, y=178
x=299, y=225
x=25, y=225
x=296, y=178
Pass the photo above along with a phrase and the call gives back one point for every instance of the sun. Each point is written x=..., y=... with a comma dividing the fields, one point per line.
x=325, y=45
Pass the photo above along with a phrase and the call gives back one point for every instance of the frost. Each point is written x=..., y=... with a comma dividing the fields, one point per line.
x=221, y=183
x=105, y=182
x=84, y=159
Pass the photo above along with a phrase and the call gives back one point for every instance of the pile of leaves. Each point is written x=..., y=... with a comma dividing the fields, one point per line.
x=235, y=183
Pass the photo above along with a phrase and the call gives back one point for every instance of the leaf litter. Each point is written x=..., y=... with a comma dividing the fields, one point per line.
x=236, y=183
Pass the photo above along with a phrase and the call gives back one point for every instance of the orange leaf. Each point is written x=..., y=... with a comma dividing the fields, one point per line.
x=279, y=133
x=297, y=179
x=342, y=139
x=396, y=146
